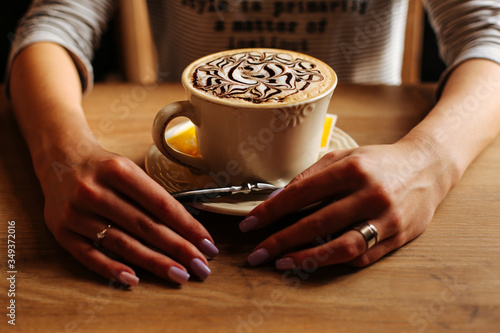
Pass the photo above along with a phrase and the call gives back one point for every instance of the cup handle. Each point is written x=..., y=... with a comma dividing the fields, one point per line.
x=162, y=119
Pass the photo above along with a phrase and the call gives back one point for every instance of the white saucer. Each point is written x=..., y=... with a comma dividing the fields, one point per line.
x=174, y=177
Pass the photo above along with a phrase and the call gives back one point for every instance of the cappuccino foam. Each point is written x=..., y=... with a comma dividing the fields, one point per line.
x=260, y=76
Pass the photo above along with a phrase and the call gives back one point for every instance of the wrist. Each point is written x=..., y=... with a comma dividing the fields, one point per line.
x=58, y=153
x=435, y=160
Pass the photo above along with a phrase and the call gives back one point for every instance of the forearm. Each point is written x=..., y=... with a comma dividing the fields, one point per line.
x=102, y=189
x=46, y=97
x=463, y=122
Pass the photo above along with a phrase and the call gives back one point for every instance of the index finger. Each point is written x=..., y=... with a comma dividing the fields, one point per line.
x=134, y=183
x=323, y=185
x=324, y=162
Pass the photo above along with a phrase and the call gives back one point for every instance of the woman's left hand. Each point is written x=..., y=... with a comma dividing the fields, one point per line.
x=396, y=188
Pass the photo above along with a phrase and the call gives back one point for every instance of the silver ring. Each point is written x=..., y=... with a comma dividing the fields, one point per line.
x=101, y=235
x=369, y=233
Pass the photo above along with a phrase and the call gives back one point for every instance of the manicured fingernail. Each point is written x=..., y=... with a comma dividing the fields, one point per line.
x=285, y=263
x=178, y=275
x=275, y=193
x=200, y=269
x=257, y=257
x=128, y=279
x=249, y=223
x=207, y=247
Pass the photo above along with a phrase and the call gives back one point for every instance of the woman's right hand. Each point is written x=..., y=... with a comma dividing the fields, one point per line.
x=149, y=228
x=88, y=189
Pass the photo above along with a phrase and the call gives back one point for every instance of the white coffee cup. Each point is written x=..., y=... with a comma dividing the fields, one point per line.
x=259, y=114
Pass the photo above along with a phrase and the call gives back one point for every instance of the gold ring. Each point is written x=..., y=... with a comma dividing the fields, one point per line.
x=101, y=235
x=369, y=232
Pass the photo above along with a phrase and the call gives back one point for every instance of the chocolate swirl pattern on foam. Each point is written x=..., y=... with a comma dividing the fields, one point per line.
x=257, y=77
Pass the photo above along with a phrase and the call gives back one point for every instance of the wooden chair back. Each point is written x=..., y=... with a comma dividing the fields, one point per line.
x=412, y=56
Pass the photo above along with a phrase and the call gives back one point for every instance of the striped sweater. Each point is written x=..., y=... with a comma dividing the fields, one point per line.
x=361, y=39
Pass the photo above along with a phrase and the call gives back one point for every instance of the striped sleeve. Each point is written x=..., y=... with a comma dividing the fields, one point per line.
x=75, y=25
x=465, y=30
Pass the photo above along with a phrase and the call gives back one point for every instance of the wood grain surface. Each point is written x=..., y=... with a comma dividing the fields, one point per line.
x=447, y=280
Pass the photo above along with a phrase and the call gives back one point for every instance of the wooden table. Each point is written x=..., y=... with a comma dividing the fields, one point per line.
x=447, y=280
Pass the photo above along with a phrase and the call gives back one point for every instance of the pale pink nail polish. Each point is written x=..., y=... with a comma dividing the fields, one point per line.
x=128, y=279
x=275, y=193
x=258, y=257
x=285, y=263
x=208, y=248
x=177, y=275
x=249, y=223
x=199, y=268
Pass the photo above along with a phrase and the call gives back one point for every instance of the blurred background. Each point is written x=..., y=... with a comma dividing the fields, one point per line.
x=107, y=67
